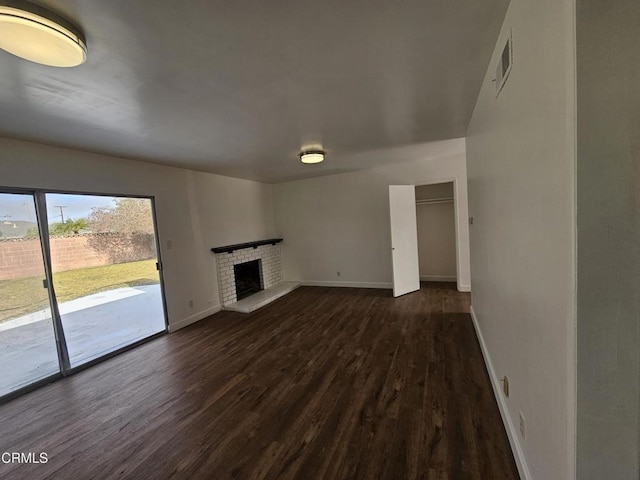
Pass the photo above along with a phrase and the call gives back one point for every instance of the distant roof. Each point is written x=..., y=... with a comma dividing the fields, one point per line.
x=15, y=229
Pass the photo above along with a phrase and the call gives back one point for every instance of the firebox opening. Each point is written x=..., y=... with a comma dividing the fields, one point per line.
x=248, y=278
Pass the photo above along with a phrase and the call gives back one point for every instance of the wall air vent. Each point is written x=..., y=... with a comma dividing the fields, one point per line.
x=504, y=65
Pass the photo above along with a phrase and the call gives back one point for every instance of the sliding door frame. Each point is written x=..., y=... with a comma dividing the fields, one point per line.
x=39, y=197
x=43, y=228
x=61, y=349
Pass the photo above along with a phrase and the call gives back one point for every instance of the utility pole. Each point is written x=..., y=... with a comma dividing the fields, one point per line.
x=61, y=211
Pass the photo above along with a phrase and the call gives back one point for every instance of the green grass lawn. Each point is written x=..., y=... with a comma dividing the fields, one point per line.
x=26, y=295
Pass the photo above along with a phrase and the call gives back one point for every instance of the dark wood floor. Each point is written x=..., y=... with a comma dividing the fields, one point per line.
x=325, y=383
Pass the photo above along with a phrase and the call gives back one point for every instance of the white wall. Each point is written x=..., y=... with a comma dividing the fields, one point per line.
x=195, y=210
x=341, y=222
x=608, y=239
x=521, y=173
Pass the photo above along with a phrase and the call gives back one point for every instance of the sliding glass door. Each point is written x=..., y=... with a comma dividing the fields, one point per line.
x=79, y=279
x=104, y=263
x=27, y=338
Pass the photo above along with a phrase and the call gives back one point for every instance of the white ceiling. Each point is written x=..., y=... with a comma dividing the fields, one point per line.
x=237, y=87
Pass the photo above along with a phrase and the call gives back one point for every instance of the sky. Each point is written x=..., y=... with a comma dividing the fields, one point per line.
x=22, y=207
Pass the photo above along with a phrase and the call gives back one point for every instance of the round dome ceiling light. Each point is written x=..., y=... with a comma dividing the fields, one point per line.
x=40, y=35
x=312, y=156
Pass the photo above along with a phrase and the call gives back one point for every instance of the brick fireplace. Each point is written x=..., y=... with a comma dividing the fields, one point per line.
x=229, y=257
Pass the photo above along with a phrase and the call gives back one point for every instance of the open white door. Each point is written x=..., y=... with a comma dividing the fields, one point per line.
x=404, y=239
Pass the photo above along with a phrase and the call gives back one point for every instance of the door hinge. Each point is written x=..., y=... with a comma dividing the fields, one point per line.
x=45, y=283
x=158, y=266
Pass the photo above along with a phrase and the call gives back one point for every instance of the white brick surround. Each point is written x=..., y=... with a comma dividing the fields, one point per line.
x=270, y=269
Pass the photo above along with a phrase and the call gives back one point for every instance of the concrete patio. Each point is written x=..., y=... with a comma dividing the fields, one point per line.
x=93, y=325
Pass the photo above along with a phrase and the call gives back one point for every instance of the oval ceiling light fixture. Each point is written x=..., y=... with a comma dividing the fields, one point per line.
x=315, y=155
x=34, y=33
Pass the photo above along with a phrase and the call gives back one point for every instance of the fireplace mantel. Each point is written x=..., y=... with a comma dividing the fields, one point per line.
x=240, y=246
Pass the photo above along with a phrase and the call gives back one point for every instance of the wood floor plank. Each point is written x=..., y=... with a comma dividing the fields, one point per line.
x=325, y=383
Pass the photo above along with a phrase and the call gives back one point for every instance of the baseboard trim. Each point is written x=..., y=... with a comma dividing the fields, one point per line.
x=382, y=285
x=512, y=432
x=323, y=283
x=437, y=278
x=196, y=317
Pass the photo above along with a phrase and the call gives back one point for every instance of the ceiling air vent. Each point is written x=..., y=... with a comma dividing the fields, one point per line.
x=504, y=65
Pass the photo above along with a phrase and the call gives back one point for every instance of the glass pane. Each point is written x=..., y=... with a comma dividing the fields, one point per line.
x=27, y=340
x=103, y=254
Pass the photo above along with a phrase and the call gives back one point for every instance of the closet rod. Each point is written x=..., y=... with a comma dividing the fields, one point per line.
x=434, y=201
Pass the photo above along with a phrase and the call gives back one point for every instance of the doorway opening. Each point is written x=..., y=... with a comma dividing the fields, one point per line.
x=436, y=225
x=439, y=264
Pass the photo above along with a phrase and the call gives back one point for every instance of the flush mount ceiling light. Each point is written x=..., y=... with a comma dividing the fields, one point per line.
x=312, y=156
x=39, y=35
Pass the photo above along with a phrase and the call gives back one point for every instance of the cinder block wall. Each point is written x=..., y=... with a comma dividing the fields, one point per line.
x=22, y=258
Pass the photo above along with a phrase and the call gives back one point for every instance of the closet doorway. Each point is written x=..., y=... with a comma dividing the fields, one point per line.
x=436, y=222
